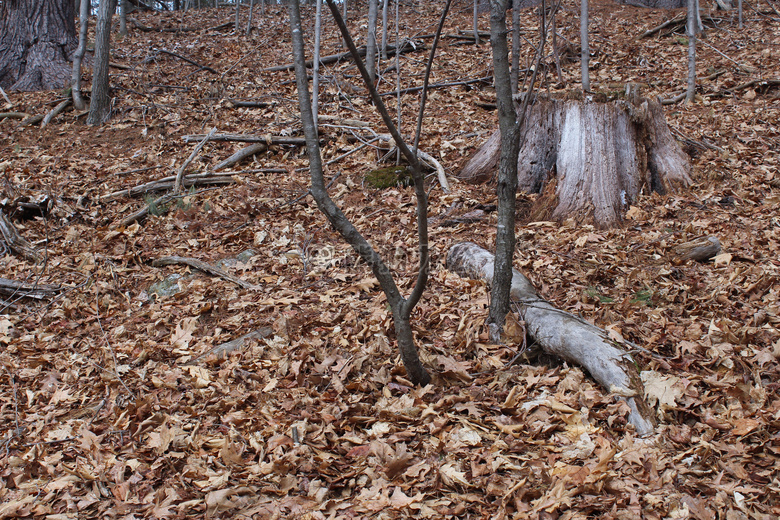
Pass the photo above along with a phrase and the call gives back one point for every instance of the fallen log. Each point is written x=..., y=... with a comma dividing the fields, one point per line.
x=202, y=266
x=564, y=335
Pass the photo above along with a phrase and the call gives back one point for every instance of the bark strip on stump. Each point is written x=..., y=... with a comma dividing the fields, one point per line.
x=598, y=156
x=564, y=335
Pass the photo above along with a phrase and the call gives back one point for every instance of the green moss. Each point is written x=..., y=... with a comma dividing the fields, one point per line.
x=388, y=177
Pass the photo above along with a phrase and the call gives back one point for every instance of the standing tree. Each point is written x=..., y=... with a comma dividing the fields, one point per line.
x=373, y=13
x=75, y=83
x=691, y=30
x=37, y=39
x=100, y=106
x=584, y=47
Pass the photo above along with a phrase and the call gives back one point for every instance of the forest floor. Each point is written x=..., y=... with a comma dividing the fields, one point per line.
x=107, y=410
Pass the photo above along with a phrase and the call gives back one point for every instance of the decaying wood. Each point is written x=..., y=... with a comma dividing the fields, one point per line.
x=590, y=159
x=248, y=138
x=28, y=290
x=226, y=348
x=404, y=47
x=15, y=242
x=203, y=266
x=241, y=155
x=564, y=335
x=700, y=249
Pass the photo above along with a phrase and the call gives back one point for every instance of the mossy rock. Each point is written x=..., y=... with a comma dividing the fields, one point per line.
x=388, y=177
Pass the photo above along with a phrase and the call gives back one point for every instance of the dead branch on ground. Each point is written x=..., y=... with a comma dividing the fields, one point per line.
x=223, y=349
x=564, y=335
x=202, y=266
x=15, y=242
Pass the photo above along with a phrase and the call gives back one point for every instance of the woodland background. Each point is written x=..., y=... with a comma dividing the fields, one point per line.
x=111, y=406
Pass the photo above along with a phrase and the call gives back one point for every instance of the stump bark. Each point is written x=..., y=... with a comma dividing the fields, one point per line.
x=590, y=159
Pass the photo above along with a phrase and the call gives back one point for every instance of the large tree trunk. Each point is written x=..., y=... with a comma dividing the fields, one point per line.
x=564, y=335
x=37, y=38
x=590, y=159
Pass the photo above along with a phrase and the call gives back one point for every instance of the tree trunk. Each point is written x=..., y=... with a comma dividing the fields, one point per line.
x=590, y=159
x=100, y=105
x=373, y=13
x=584, y=46
x=37, y=39
x=690, y=27
x=78, y=57
x=564, y=335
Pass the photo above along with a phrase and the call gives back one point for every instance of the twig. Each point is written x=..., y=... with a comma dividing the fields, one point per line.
x=203, y=266
x=230, y=346
x=180, y=174
x=108, y=343
x=184, y=58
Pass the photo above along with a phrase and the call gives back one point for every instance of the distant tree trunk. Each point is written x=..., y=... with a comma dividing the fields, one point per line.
x=476, y=22
x=315, y=84
x=739, y=13
x=691, y=30
x=37, y=39
x=78, y=100
x=373, y=13
x=585, y=50
x=100, y=105
x=251, y=13
x=238, y=16
x=590, y=160
x=385, y=7
x=123, y=17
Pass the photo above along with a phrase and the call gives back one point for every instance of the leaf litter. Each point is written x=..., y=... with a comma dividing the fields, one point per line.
x=103, y=417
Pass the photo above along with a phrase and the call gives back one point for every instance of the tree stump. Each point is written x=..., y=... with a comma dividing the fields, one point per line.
x=590, y=158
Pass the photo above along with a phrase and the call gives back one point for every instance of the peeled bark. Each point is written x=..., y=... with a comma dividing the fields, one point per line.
x=37, y=39
x=590, y=159
x=564, y=335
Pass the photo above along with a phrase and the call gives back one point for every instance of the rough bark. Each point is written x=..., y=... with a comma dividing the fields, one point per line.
x=564, y=335
x=37, y=39
x=590, y=159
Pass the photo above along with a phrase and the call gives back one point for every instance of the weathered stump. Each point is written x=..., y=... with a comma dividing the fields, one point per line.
x=597, y=155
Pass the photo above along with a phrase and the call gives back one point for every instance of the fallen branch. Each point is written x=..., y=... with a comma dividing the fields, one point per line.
x=144, y=28
x=241, y=155
x=28, y=290
x=406, y=46
x=184, y=58
x=15, y=242
x=195, y=152
x=229, y=346
x=166, y=183
x=249, y=103
x=430, y=161
x=760, y=83
x=32, y=120
x=13, y=115
x=564, y=335
x=56, y=111
x=202, y=266
x=486, y=79
x=248, y=138
x=141, y=213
